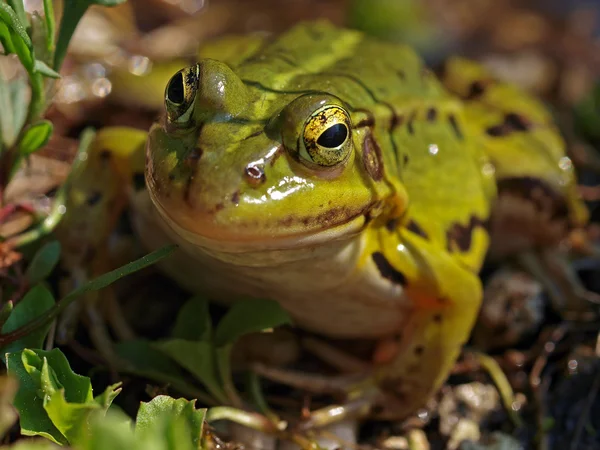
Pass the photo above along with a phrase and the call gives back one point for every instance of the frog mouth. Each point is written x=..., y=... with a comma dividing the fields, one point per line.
x=218, y=239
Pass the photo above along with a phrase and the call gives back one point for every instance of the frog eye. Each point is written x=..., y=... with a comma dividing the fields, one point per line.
x=180, y=95
x=326, y=137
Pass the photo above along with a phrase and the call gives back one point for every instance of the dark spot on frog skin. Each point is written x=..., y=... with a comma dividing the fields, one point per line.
x=410, y=125
x=431, y=114
x=372, y=158
x=256, y=133
x=171, y=177
x=235, y=198
x=401, y=75
x=419, y=350
x=392, y=224
x=543, y=197
x=476, y=90
x=497, y=131
x=416, y=229
x=517, y=122
x=396, y=121
x=405, y=159
x=460, y=236
x=255, y=175
x=455, y=127
x=437, y=318
x=368, y=121
x=512, y=122
x=386, y=269
x=94, y=198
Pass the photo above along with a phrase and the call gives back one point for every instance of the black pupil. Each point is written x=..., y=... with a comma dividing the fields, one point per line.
x=333, y=136
x=175, y=91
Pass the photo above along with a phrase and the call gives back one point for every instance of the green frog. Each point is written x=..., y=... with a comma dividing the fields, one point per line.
x=337, y=174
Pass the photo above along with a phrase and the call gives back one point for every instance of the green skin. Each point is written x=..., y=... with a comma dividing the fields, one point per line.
x=379, y=235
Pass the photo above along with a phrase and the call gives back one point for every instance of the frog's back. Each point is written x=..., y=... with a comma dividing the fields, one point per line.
x=317, y=56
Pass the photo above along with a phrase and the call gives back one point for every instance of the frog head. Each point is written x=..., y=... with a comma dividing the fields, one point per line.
x=239, y=166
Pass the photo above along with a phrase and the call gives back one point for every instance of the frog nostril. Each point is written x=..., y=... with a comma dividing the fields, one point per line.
x=255, y=174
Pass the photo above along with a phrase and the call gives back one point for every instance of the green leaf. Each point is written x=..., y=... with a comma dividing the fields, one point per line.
x=41, y=67
x=170, y=432
x=106, y=398
x=110, y=277
x=35, y=137
x=6, y=39
x=50, y=26
x=223, y=358
x=52, y=400
x=13, y=99
x=18, y=91
x=21, y=42
x=249, y=316
x=193, y=321
x=43, y=262
x=161, y=406
x=72, y=419
x=114, y=432
x=34, y=420
x=10, y=18
x=162, y=424
x=36, y=302
x=198, y=358
x=19, y=9
x=5, y=312
x=78, y=389
x=146, y=361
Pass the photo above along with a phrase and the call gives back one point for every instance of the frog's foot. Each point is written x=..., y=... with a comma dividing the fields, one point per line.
x=101, y=337
x=359, y=391
x=315, y=384
x=97, y=321
x=336, y=358
x=568, y=295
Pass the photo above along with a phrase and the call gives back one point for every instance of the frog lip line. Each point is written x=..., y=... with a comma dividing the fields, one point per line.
x=347, y=228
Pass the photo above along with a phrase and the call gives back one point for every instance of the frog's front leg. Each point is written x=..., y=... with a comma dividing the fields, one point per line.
x=96, y=197
x=445, y=297
x=440, y=299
